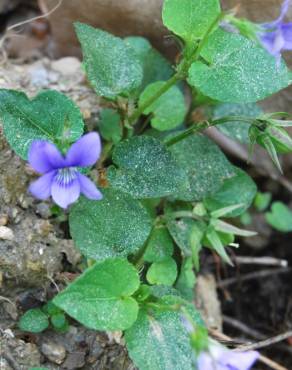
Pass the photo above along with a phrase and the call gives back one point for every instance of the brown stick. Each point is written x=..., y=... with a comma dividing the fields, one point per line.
x=253, y=275
x=271, y=261
x=243, y=328
x=265, y=343
x=265, y=360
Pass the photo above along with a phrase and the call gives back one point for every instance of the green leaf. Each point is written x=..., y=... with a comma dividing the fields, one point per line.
x=101, y=298
x=280, y=217
x=190, y=19
x=143, y=293
x=146, y=169
x=160, y=245
x=49, y=116
x=162, y=273
x=262, y=201
x=110, y=125
x=118, y=225
x=225, y=239
x=186, y=281
x=51, y=309
x=237, y=70
x=236, y=130
x=160, y=291
x=34, y=321
x=239, y=189
x=111, y=65
x=59, y=321
x=155, y=66
x=205, y=164
x=169, y=110
x=224, y=227
x=216, y=243
x=187, y=234
x=158, y=340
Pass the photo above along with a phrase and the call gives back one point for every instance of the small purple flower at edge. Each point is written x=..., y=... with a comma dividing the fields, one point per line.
x=276, y=36
x=60, y=176
x=220, y=358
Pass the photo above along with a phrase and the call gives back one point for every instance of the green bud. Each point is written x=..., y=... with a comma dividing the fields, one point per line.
x=279, y=137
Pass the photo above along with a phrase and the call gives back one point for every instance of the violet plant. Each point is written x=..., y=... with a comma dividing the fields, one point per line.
x=169, y=190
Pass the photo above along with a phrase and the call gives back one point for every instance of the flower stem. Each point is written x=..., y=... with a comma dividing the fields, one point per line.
x=201, y=126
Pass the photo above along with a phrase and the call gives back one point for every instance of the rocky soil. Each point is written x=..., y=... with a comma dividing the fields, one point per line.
x=35, y=255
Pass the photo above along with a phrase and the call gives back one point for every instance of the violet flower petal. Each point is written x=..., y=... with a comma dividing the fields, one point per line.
x=64, y=195
x=273, y=42
x=85, y=151
x=88, y=188
x=44, y=156
x=41, y=188
x=284, y=10
x=206, y=362
x=220, y=358
x=239, y=360
x=286, y=30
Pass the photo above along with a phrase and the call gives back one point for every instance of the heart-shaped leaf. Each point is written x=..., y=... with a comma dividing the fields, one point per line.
x=111, y=65
x=101, y=297
x=237, y=70
x=168, y=111
x=162, y=334
x=190, y=19
x=146, y=169
x=118, y=225
x=205, y=164
x=50, y=116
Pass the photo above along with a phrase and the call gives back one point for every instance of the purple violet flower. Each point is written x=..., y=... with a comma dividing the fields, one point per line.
x=220, y=358
x=276, y=36
x=60, y=176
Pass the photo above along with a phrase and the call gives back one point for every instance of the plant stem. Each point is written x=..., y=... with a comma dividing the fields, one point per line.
x=138, y=258
x=205, y=37
x=178, y=76
x=201, y=126
x=167, y=85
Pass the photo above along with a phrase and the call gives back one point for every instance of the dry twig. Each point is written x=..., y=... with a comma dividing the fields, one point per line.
x=265, y=360
x=253, y=275
x=271, y=261
x=265, y=342
x=16, y=25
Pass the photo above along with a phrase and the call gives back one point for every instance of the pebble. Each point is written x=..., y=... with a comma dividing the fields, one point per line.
x=3, y=220
x=54, y=352
x=6, y=233
x=75, y=360
x=43, y=210
x=67, y=66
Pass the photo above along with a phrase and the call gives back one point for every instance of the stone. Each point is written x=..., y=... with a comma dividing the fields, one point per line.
x=3, y=220
x=6, y=233
x=54, y=352
x=75, y=360
x=24, y=355
x=123, y=18
x=67, y=66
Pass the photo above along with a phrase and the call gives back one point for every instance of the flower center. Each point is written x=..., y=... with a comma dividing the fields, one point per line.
x=66, y=175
